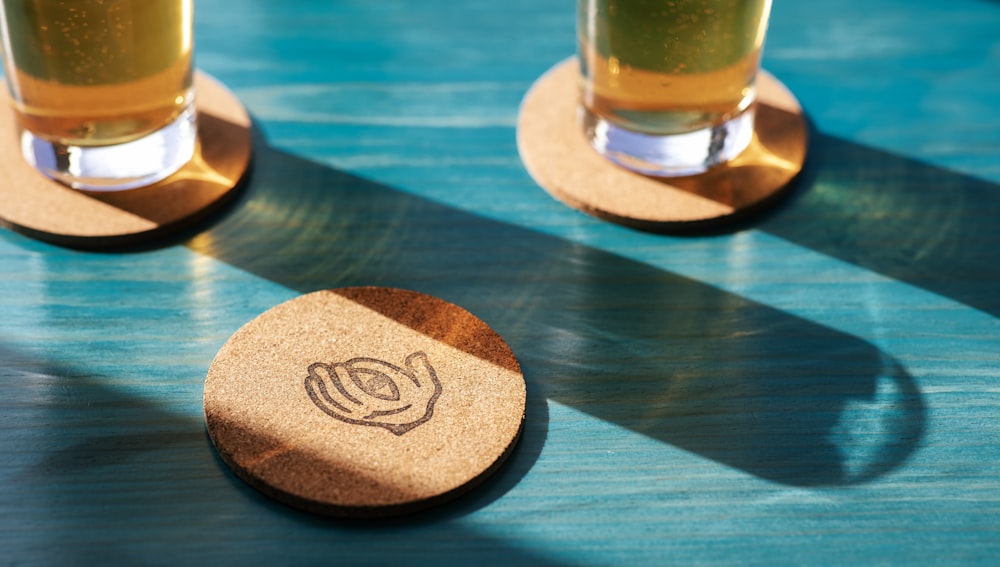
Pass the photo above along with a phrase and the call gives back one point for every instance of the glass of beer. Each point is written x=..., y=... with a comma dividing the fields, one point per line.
x=101, y=89
x=667, y=86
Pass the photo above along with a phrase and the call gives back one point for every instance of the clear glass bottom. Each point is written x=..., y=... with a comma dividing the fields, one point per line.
x=673, y=155
x=122, y=166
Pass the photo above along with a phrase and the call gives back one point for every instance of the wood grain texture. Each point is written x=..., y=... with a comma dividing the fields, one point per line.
x=818, y=386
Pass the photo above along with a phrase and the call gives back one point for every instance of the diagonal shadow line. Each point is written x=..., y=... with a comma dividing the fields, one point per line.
x=904, y=219
x=668, y=357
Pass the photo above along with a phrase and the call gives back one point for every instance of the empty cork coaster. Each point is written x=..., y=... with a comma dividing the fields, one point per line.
x=559, y=158
x=41, y=208
x=364, y=401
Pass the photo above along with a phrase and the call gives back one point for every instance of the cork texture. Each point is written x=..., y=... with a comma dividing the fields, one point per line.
x=364, y=402
x=559, y=158
x=41, y=208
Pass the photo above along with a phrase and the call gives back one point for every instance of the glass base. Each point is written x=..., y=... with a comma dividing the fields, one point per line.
x=671, y=155
x=115, y=168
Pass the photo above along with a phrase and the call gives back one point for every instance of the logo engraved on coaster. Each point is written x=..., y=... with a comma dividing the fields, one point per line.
x=369, y=391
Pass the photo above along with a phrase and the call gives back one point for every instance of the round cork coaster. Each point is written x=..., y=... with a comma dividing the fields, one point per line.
x=34, y=205
x=364, y=401
x=559, y=158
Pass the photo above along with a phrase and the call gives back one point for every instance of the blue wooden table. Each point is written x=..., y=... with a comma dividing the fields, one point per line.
x=817, y=386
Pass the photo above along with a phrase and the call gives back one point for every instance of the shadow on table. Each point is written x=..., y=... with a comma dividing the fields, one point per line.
x=735, y=381
x=103, y=476
x=907, y=220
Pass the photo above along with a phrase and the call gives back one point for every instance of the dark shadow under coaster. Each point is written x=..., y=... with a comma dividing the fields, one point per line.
x=559, y=158
x=34, y=205
x=364, y=402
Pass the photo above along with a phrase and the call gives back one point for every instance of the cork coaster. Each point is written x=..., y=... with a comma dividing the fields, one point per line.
x=364, y=401
x=41, y=208
x=559, y=158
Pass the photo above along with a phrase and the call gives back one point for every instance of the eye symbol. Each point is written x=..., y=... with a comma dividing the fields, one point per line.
x=368, y=391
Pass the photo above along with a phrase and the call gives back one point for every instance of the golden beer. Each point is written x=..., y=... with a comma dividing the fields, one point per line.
x=102, y=89
x=668, y=67
x=98, y=72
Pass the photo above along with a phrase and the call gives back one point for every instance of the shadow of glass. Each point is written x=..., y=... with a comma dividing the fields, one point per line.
x=907, y=220
x=731, y=380
x=662, y=355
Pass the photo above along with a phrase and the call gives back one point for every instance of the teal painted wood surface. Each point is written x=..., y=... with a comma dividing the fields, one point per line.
x=818, y=386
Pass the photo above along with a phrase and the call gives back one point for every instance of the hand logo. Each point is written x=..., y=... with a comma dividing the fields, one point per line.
x=368, y=391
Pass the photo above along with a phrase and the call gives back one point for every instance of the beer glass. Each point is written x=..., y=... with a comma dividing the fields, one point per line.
x=101, y=89
x=667, y=86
